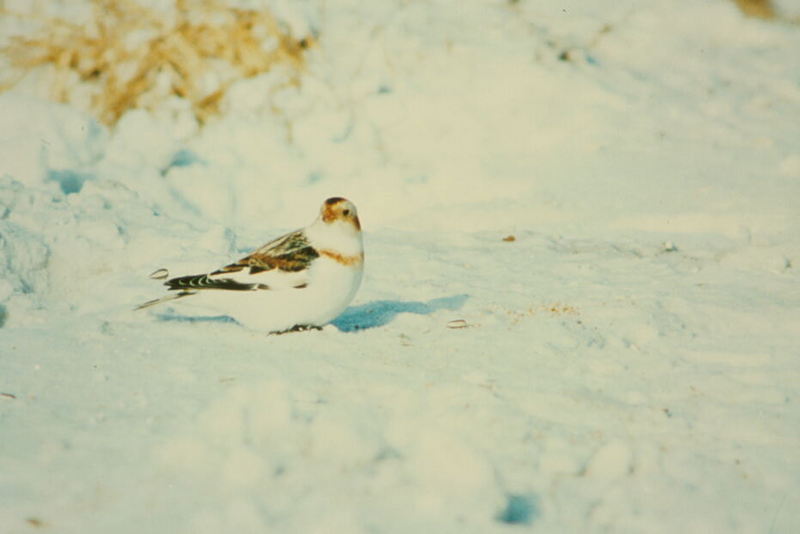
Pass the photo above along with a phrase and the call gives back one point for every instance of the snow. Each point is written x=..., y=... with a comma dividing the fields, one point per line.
x=627, y=363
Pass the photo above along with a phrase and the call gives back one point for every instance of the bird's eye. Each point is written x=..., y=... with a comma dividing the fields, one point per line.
x=346, y=213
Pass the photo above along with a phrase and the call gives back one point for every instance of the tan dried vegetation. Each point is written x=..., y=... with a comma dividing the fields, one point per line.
x=555, y=309
x=130, y=57
x=756, y=8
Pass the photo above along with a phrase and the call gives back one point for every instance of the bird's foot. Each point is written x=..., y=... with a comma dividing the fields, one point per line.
x=298, y=328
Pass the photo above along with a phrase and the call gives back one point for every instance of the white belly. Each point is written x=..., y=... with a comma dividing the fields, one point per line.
x=330, y=289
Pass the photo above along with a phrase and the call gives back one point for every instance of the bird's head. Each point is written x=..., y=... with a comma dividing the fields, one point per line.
x=338, y=210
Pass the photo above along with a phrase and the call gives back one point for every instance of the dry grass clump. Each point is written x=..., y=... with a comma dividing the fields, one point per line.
x=128, y=56
x=756, y=8
x=767, y=9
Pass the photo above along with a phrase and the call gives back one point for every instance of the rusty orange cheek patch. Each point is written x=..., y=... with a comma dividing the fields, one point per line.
x=341, y=258
x=328, y=214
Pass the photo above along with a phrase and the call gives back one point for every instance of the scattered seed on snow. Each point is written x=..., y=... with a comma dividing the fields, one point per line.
x=159, y=274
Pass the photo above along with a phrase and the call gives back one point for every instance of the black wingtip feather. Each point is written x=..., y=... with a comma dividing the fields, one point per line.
x=202, y=281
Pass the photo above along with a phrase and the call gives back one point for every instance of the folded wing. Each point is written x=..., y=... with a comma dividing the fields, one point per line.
x=282, y=263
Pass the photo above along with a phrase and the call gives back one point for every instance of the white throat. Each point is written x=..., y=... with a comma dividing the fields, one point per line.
x=338, y=236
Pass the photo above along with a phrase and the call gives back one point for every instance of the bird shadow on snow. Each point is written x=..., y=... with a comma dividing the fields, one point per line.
x=370, y=315
x=381, y=312
x=171, y=316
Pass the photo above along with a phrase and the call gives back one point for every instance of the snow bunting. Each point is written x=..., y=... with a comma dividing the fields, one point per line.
x=303, y=279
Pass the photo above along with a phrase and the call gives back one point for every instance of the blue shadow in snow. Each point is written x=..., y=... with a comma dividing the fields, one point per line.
x=381, y=312
x=168, y=317
x=520, y=510
x=70, y=181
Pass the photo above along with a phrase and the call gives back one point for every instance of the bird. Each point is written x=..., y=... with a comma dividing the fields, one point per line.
x=301, y=280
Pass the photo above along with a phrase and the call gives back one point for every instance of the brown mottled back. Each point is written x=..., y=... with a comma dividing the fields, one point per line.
x=290, y=253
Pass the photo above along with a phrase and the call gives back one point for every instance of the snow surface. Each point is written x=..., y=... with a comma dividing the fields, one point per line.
x=630, y=358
